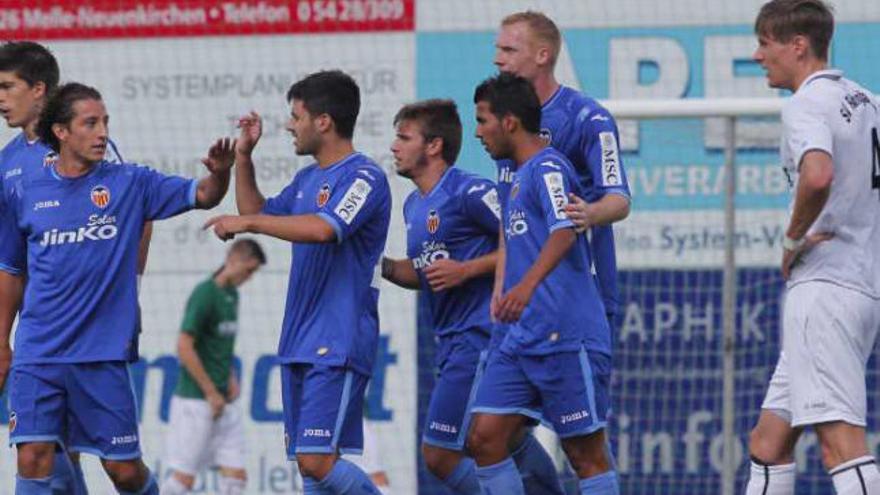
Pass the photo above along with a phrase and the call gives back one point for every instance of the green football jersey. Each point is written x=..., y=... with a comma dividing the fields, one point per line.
x=211, y=317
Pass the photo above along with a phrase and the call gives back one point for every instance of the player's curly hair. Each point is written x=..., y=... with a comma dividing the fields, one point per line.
x=59, y=110
x=782, y=20
x=508, y=94
x=438, y=118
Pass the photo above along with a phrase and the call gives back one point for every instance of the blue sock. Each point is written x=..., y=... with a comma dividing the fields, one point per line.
x=62, y=474
x=311, y=486
x=463, y=479
x=347, y=479
x=151, y=487
x=500, y=479
x=538, y=471
x=33, y=486
x=601, y=484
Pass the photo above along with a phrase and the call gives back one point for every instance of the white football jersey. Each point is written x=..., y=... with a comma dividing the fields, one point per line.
x=833, y=114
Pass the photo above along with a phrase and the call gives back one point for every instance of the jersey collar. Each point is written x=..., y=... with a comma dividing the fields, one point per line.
x=342, y=162
x=61, y=178
x=440, y=182
x=832, y=74
x=553, y=98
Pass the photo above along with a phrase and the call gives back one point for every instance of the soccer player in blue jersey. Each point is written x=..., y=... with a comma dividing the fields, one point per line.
x=554, y=361
x=452, y=221
x=28, y=73
x=528, y=45
x=74, y=227
x=335, y=214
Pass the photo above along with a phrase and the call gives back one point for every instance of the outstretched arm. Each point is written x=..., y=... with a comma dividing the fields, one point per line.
x=212, y=188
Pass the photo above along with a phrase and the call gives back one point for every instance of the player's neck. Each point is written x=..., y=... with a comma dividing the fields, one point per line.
x=30, y=130
x=809, y=68
x=545, y=86
x=72, y=166
x=526, y=148
x=222, y=279
x=428, y=179
x=333, y=152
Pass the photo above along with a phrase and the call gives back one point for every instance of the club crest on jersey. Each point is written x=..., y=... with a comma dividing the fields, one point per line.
x=101, y=196
x=50, y=159
x=323, y=195
x=546, y=136
x=433, y=221
x=13, y=421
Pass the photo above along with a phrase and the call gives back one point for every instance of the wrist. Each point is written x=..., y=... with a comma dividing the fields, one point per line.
x=792, y=244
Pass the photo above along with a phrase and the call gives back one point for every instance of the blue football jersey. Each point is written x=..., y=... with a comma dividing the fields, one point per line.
x=586, y=133
x=331, y=316
x=565, y=311
x=458, y=219
x=78, y=238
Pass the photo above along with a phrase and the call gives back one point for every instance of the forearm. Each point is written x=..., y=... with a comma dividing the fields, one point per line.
x=11, y=288
x=211, y=190
x=293, y=228
x=551, y=254
x=808, y=204
x=609, y=209
x=193, y=365
x=248, y=197
x=481, y=266
x=401, y=273
x=144, y=247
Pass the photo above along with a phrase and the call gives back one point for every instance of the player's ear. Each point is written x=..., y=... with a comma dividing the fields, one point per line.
x=801, y=45
x=61, y=131
x=324, y=123
x=509, y=123
x=542, y=56
x=434, y=146
x=39, y=89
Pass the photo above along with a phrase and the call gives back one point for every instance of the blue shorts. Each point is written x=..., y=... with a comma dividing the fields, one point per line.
x=323, y=409
x=567, y=390
x=458, y=369
x=89, y=407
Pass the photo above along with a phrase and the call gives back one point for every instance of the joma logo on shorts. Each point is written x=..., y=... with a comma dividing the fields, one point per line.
x=124, y=439
x=575, y=416
x=445, y=428
x=317, y=432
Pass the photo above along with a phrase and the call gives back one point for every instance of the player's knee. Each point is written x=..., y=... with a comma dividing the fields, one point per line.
x=440, y=462
x=315, y=466
x=764, y=449
x=35, y=459
x=587, y=455
x=127, y=475
x=484, y=441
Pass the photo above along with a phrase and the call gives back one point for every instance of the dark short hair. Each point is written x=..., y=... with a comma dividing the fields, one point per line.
x=30, y=61
x=249, y=248
x=508, y=94
x=784, y=19
x=59, y=110
x=332, y=92
x=438, y=119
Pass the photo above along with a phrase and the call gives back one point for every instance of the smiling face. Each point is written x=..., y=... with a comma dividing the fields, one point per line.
x=302, y=126
x=20, y=103
x=491, y=133
x=409, y=149
x=779, y=60
x=85, y=137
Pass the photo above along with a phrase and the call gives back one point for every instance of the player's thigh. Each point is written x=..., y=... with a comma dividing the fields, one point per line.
x=229, y=447
x=292, y=376
x=189, y=435
x=330, y=412
x=504, y=388
x=829, y=335
x=448, y=417
x=103, y=411
x=37, y=404
x=574, y=390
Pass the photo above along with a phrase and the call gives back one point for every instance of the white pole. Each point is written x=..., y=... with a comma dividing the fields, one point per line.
x=728, y=315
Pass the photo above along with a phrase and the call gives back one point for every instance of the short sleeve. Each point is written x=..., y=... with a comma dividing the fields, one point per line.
x=165, y=195
x=480, y=200
x=355, y=200
x=282, y=204
x=553, y=183
x=805, y=129
x=601, y=147
x=13, y=241
x=198, y=311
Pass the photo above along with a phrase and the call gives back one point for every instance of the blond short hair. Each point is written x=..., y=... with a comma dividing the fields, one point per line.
x=543, y=28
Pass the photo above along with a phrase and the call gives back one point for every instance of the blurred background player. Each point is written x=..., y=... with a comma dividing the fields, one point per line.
x=554, y=361
x=452, y=221
x=206, y=427
x=28, y=74
x=70, y=381
x=831, y=154
x=335, y=213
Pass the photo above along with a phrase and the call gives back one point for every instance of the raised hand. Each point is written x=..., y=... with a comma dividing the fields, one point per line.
x=251, y=126
x=221, y=156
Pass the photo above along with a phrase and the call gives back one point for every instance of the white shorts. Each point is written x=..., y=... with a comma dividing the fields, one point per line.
x=828, y=333
x=196, y=440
